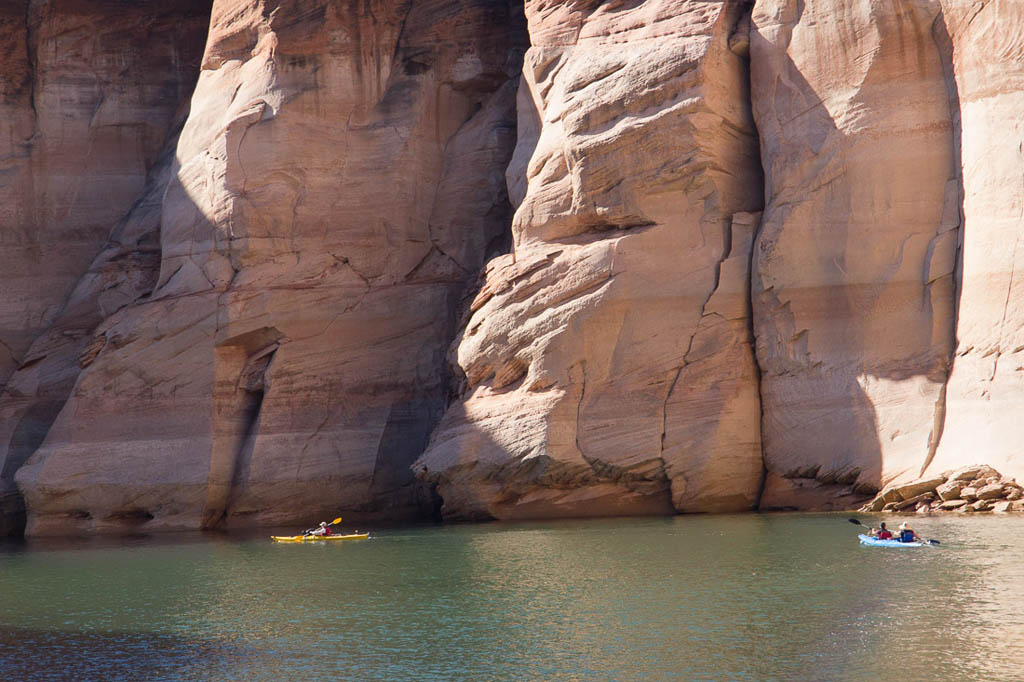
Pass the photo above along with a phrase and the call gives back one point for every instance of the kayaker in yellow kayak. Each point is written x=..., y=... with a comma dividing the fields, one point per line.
x=323, y=529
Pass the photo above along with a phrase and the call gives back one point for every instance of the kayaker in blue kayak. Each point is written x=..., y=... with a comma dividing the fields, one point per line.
x=907, y=534
x=881, y=533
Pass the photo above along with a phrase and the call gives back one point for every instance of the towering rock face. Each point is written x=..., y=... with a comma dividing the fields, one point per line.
x=87, y=115
x=608, y=361
x=986, y=388
x=251, y=300
x=853, y=287
x=337, y=182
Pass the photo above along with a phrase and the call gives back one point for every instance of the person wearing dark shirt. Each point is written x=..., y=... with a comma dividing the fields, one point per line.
x=907, y=534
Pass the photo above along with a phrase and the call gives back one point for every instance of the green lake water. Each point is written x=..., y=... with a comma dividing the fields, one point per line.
x=746, y=597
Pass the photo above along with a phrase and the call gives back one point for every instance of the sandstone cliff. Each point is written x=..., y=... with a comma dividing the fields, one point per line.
x=92, y=95
x=338, y=181
x=986, y=385
x=272, y=259
x=608, y=359
x=853, y=291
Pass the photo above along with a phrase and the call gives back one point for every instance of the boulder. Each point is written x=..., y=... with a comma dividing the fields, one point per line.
x=993, y=491
x=970, y=493
x=950, y=505
x=874, y=505
x=1014, y=494
x=916, y=500
x=950, y=490
x=969, y=473
x=891, y=494
x=923, y=485
x=981, y=505
x=1017, y=505
x=1002, y=507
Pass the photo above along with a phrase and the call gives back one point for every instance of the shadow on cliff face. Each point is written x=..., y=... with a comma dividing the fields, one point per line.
x=327, y=411
x=806, y=402
x=131, y=102
x=855, y=344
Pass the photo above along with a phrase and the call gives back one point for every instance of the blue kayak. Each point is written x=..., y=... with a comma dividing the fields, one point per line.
x=875, y=542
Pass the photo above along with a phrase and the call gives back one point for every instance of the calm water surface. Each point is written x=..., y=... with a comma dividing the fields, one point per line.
x=753, y=597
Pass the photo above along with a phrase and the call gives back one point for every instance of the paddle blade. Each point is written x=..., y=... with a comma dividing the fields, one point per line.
x=855, y=521
x=336, y=521
x=934, y=542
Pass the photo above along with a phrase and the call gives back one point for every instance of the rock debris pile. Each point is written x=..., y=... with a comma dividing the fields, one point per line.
x=977, y=488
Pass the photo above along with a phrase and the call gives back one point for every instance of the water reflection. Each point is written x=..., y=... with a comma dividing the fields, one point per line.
x=754, y=597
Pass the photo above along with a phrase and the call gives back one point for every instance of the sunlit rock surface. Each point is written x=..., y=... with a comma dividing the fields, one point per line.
x=608, y=361
x=985, y=396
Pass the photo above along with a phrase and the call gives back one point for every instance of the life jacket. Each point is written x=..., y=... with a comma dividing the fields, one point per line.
x=327, y=531
x=884, y=535
x=907, y=535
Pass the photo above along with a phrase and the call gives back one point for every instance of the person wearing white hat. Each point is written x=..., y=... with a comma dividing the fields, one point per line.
x=907, y=533
x=324, y=529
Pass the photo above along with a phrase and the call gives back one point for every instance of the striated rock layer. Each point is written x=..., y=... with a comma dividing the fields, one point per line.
x=338, y=181
x=86, y=117
x=853, y=286
x=608, y=362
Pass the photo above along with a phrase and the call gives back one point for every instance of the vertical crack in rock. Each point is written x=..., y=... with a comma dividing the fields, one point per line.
x=664, y=405
x=30, y=55
x=739, y=43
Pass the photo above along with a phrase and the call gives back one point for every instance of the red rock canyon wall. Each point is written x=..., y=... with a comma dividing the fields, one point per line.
x=608, y=359
x=853, y=285
x=338, y=181
x=92, y=95
x=277, y=259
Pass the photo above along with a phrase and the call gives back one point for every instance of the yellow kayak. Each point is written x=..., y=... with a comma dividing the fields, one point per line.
x=318, y=538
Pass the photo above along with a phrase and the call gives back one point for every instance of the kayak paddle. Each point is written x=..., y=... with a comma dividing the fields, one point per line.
x=926, y=540
x=309, y=531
